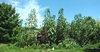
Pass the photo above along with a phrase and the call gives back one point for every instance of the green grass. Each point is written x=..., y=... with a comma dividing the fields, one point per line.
x=13, y=48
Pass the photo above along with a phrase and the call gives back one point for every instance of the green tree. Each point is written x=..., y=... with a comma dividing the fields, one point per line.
x=97, y=35
x=76, y=27
x=31, y=20
x=30, y=26
x=83, y=29
x=49, y=23
x=61, y=28
x=9, y=21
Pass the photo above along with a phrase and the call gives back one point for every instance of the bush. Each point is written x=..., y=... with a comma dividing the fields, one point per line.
x=92, y=46
x=44, y=46
x=68, y=44
x=55, y=46
x=20, y=43
x=25, y=39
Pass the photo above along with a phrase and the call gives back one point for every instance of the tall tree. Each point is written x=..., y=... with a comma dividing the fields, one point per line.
x=31, y=25
x=61, y=27
x=49, y=23
x=9, y=20
x=31, y=20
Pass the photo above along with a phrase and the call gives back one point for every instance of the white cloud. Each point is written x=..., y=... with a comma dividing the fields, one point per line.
x=14, y=3
x=24, y=10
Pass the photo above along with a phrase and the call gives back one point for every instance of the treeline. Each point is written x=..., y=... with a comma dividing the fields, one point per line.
x=83, y=30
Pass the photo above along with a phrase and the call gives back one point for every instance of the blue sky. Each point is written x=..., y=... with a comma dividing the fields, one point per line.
x=71, y=8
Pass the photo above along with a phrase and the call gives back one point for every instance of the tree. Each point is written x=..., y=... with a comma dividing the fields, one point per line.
x=61, y=28
x=31, y=24
x=49, y=23
x=76, y=28
x=31, y=20
x=83, y=29
x=97, y=35
x=9, y=21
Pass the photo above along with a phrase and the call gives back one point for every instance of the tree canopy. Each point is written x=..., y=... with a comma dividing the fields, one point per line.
x=9, y=20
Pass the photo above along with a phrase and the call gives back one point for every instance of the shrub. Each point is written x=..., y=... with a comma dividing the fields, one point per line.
x=25, y=39
x=68, y=44
x=20, y=43
x=44, y=46
x=55, y=46
x=92, y=46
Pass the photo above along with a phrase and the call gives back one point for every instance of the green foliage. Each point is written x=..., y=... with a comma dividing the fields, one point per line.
x=12, y=48
x=27, y=35
x=44, y=46
x=31, y=20
x=83, y=30
x=61, y=29
x=26, y=38
x=8, y=48
x=20, y=43
x=49, y=23
x=68, y=44
x=92, y=46
x=97, y=35
x=9, y=21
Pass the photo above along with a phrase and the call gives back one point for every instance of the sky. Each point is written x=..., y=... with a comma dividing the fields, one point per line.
x=71, y=8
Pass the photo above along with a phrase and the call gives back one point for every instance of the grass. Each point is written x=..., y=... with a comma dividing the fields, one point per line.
x=13, y=48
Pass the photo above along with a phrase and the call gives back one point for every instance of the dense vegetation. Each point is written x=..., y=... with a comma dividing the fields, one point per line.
x=9, y=23
x=82, y=33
